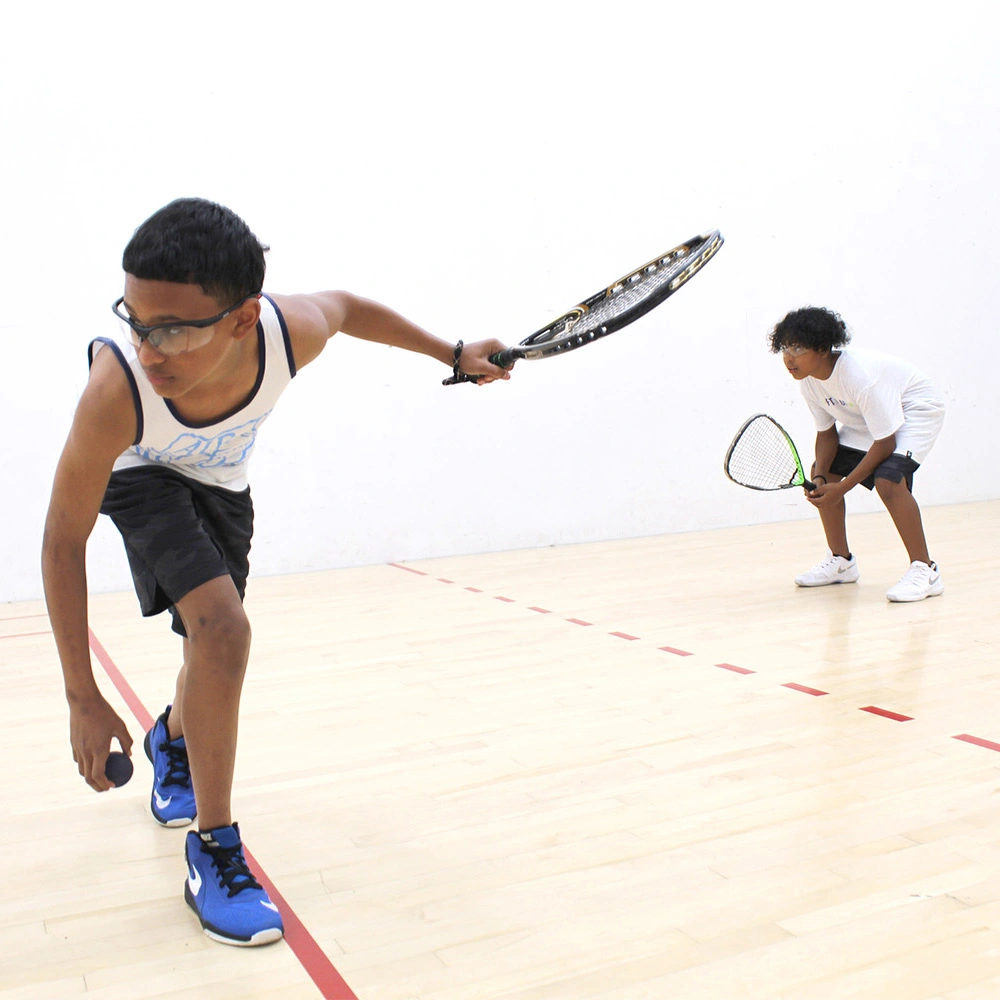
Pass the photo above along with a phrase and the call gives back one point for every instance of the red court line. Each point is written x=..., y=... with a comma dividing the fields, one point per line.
x=506, y=600
x=409, y=569
x=805, y=690
x=541, y=611
x=886, y=714
x=978, y=741
x=311, y=957
x=442, y=579
x=21, y=635
x=735, y=669
x=143, y=717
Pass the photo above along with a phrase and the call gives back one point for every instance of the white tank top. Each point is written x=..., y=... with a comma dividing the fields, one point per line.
x=215, y=453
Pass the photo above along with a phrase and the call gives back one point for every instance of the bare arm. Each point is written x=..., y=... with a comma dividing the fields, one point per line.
x=827, y=443
x=313, y=319
x=103, y=426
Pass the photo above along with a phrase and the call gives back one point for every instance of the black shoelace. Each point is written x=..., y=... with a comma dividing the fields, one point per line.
x=231, y=866
x=178, y=768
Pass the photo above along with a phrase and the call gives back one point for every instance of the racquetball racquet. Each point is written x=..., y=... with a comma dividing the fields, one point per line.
x=763, y=457
x=613, y=307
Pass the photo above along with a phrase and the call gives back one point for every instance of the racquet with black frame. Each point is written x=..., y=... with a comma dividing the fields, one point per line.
x=613, y=307
x=764, y=457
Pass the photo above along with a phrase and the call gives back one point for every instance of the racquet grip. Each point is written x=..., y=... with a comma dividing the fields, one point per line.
x=503, y=359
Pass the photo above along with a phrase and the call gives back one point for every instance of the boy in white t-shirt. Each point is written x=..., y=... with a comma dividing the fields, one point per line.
x=876, y=417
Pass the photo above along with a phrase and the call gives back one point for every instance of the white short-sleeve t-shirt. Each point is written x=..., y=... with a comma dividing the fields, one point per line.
x=870, y=396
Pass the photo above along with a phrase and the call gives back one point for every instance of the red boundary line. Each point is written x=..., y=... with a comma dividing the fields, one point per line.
x=311, y=957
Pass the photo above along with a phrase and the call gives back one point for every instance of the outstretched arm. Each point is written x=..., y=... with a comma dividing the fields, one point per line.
x=104, y=425
x=313, y=319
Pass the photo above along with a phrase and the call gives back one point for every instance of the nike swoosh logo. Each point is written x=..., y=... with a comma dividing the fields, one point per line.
x=162, y=803
x=269, y=905
x=194, y=880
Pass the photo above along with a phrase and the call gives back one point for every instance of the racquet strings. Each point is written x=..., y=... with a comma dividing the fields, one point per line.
x=763, y=458
x=624, y=298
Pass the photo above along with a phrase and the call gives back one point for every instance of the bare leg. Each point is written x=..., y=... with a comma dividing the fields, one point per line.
x=834, y=521
x=905, y=514
x=209, y=687
x=175, y=721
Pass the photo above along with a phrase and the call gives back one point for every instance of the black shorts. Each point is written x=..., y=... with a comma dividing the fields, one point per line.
x=178, y=534
x=895, y=468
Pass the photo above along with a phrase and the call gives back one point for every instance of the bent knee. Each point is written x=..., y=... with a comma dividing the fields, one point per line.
x=889, y=489
x=213, y=616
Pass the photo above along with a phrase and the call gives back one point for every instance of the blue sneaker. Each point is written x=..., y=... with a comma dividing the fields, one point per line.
x=230, y=903
x=172, y=802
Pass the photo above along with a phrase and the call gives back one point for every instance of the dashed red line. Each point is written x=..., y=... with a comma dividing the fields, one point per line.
x=409, y=569
x=735, y=669
x=978, y=741
x=886, y=714
x=806, y=690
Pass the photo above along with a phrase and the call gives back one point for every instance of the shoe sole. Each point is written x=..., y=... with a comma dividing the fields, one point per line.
x=826, y=583
x=267, y=936
x=171, y=823
x=935, y=591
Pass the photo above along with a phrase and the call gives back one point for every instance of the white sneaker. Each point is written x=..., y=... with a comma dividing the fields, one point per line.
x=919, y=581
x=833, y=569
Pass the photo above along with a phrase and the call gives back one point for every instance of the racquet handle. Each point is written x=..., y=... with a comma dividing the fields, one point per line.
x=503, y=359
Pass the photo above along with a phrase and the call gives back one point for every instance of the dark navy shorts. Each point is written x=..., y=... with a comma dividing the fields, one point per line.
x=895, y=468
x=178, y=534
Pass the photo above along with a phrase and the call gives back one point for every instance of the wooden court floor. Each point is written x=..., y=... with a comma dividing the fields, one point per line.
x=639, y=769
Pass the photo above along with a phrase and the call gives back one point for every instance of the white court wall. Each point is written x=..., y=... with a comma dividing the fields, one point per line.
x=481, y=170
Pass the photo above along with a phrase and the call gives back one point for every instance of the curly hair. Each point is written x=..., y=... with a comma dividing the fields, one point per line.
x=818, y=329
x=194, y=241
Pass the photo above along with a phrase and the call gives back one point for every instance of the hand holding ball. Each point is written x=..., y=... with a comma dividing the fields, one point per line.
x=118, y=769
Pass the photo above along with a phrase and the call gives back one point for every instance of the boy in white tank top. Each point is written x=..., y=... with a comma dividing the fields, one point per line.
x=160, y=442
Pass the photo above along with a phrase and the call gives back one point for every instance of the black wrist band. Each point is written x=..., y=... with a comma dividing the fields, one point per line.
x=458, y=357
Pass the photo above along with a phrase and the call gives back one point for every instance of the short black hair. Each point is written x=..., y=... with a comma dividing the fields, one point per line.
x=812, y=327
x=195, y=241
